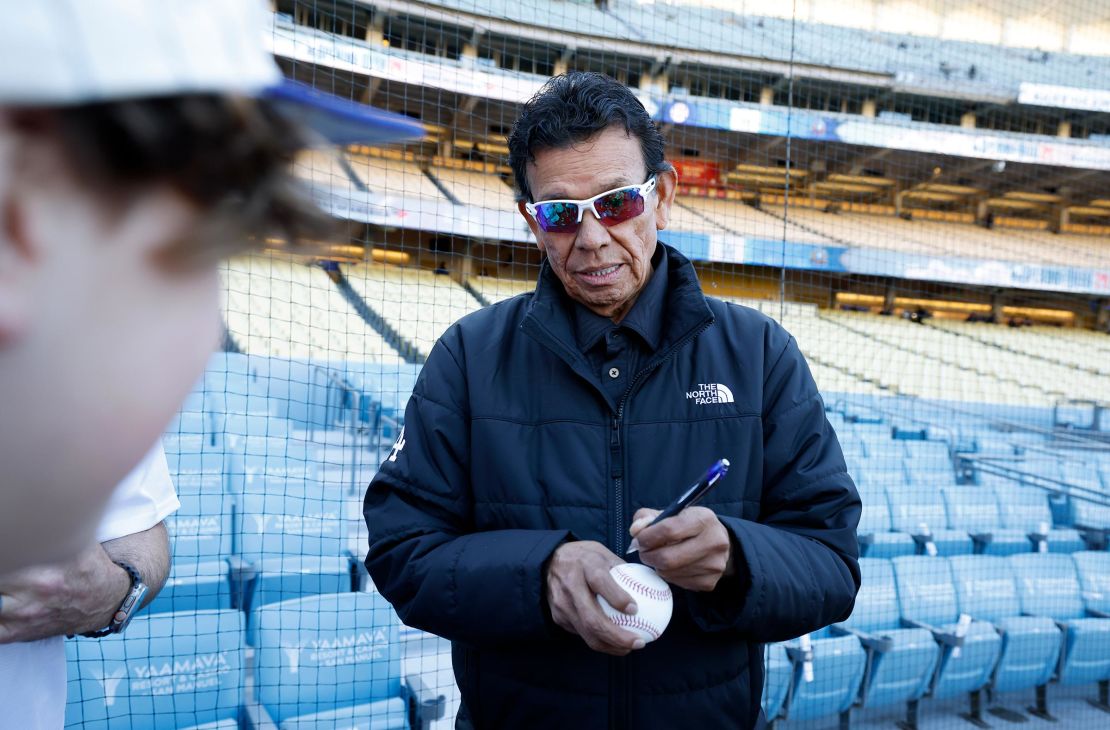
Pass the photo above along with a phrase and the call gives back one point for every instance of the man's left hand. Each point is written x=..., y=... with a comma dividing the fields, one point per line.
x=691, y=550
x=68, y=598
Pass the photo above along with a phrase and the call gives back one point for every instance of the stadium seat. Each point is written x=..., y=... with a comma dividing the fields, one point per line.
x=882, y=478
x=927, y=599
x=1026, y=510
x=288, y=546
x=1094, y=579
x=777, y=676
x=201, y=529
x=875, y=535
x=288, y=524
x=1049, y=586
x=975, y=510
x=194, y=586
x=167, y=672
x=253, y=424
x=335, y=661
x=921, y=512
x=900, y=661
x=838, y=663
x=196, y=466
x=926, y=475
x=926, y=455
x=987, y=591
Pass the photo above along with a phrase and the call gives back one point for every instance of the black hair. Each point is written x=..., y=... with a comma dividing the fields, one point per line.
x=573, y=107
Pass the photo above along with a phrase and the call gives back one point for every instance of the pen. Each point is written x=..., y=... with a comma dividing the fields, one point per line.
x=688, y=498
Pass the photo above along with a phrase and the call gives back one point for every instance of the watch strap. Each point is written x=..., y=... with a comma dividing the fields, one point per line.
x=127, y=608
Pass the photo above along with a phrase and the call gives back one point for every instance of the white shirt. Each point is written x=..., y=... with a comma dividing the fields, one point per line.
x=33, y=674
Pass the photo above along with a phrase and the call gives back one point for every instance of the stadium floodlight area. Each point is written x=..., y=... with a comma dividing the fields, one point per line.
x=922, y=205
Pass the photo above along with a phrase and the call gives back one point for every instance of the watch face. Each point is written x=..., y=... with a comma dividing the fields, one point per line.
x=129, y=607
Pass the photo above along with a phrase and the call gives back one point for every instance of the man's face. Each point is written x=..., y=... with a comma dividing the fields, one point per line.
x=604, y=268
x=99, y=340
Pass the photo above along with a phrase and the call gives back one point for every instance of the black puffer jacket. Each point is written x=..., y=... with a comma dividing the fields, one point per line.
x=511, y=447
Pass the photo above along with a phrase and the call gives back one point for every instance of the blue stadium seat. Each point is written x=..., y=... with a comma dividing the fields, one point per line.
x=900, y=661
x=1049, y=586
x=838, y=664
x=288, y=546
x=167, y=672
x=253, y=424
x=335, y=661
x=1094, y=579
x=293, y=449
x=986, y=590
x=777, y=676
x=883, y=478
x=929, y=455
x=201, y=529
x=875, y=536
x=1091, y=515
x=1026, y=509
x=975, y=510
x=921, y=513
x=927, y=599
x=197, y=466
x=920, y=475
x=289, y=524
x=194, y=586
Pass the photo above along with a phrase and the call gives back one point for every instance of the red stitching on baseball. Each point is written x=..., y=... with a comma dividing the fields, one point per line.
x=659, y=594
x=623, y=619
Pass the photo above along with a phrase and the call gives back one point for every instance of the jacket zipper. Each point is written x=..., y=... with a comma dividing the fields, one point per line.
x=618, y=709
x=617, y=454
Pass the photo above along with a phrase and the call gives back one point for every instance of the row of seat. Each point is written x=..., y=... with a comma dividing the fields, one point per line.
x=960, y=520
x=944, y=627
x=324, y=661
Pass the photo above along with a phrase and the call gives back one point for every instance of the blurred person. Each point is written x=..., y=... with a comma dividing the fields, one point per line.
x=95, y=594
x=139, y=143
x=546, y=431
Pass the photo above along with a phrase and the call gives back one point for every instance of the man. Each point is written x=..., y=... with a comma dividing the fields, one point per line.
x=86, y=595
x=140, y=142
x=544, y=431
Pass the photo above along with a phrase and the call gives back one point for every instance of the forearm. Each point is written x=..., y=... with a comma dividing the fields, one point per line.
x=148, y=552
x=482, y=587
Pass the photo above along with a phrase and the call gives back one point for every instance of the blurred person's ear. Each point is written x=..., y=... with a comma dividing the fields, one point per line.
x=17, y=260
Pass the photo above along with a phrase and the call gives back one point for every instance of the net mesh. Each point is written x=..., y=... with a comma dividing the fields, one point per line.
x=915, y=190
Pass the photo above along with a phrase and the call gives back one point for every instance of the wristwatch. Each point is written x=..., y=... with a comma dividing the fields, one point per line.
x=127, y=610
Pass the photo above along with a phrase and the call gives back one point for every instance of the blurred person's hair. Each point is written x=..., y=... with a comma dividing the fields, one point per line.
x=230, y=156
x=572, y=107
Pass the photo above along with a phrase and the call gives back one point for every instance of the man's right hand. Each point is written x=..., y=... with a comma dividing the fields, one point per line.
x=577, y=573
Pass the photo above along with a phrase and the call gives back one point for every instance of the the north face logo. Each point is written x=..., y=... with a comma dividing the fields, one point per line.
x=707, y=393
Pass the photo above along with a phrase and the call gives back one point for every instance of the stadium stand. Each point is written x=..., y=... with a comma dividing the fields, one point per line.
x=985, y=492
x=474, y=188
x=333, y=660
x=417, y=302
x=169, y=671
x=278, y=306
x=900, y=660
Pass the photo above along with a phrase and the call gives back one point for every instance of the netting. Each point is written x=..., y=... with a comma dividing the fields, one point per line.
x=915, y=190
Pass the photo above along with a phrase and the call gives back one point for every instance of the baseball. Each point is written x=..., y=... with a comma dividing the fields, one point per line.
x=652, y=596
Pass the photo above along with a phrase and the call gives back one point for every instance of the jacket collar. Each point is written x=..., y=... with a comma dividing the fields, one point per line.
x=646, y=317
x=550, y=314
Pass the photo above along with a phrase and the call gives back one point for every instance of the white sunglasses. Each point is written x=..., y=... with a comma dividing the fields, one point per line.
x=610, y=208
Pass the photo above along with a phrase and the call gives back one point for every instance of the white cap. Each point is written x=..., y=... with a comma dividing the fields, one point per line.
x=65, y=52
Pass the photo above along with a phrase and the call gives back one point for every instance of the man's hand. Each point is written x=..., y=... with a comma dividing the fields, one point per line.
x=67, y=598
x=691, y=550
x=577, y=573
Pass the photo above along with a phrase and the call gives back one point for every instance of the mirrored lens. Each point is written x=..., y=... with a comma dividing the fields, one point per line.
x=619, y=206
x=557, y=217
